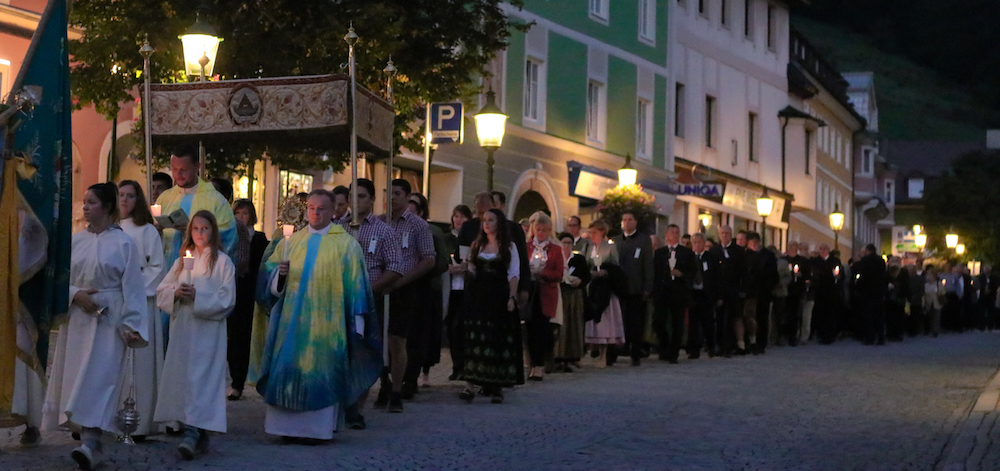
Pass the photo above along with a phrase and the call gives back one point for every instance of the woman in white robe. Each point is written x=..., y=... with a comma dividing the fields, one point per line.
x=193, y=385
x=107, y=313
x=137, y=222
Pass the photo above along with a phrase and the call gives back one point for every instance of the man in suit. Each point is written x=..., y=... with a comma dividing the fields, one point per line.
x=675, y=266
x=704, y=300
x=827, y=275
x=799, y=267
x=581, y=244
x=635, y=257
x=731, y=266
x=870, y=285
x=761, y=276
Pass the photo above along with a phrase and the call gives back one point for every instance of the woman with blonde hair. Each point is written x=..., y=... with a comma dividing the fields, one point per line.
x=607, y=327
x=546, y=266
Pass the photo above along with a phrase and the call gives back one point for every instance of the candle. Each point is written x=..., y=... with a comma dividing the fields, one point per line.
x=188, y=265
x=155, y=210
x=287, y=230
x=795, y=269
x=836, y=270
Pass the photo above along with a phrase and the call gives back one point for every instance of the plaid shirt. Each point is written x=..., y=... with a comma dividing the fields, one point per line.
x=380, y=245
x=414, y=237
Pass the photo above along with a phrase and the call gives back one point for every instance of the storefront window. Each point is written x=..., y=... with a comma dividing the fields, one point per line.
x=241, y=190
x=291, y=184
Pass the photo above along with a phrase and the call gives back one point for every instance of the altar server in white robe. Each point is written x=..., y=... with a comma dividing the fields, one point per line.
x=137, y=222
x=198, y=299
x=107, y=314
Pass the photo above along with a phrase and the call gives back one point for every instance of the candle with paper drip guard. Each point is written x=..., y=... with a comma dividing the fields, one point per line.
x=836, y=270
x=287, y=230
x=155, y=210
x=673, y=263
x=188, y=265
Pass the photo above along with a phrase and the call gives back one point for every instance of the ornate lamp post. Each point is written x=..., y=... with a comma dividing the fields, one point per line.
x=705, y=219
x=836, y=223
x=951, y=240
x=960, y=249
x=627, y=175
x=491, y=124
x=920, y=240
x=764, y=206
x=146, y=51
x=201, y=47
x=351, y=38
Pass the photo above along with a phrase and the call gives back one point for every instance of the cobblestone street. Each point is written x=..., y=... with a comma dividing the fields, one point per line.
x=841, y=407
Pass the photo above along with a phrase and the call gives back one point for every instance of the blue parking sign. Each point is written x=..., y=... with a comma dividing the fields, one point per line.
x=447, y=124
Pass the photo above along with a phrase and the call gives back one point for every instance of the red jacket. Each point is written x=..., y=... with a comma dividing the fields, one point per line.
x=550, y=277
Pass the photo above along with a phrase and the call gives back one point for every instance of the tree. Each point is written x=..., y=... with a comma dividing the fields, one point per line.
x=966, y=199
x=440, y=47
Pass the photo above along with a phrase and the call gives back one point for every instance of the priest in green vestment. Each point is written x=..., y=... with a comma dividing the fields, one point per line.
x=323, y=346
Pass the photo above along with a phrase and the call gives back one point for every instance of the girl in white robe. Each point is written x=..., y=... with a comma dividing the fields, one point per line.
x=106, y=314
x=193, y=385
x=137, y=222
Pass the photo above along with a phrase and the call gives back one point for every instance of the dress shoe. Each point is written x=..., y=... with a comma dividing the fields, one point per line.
x=409, y=389
x=357, y=422
x=396, y=402
x=454, y=376
x=31, y=437
x=467, y=395
x=739, y=352
x=694, y=356
x=186, y=448
x=382, y=400
x=497, y=396
x=235, y=395
x=85, y=457
x=636, y=361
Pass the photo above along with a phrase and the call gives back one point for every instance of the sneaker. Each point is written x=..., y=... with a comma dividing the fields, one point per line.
x=383, y=398
x=357, y=422
x=396, y=402
x=201, y=446
x=31, y=437
x=85, y=457
x=187, y=448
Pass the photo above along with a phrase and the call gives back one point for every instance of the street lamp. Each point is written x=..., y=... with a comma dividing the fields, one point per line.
x=201, y=47
x=960, y=249
x=917, y=229
x=921, y=240
x=764, y=206
x=627, y=175
x=490, y=126
x=951, y=240
x=836, y=223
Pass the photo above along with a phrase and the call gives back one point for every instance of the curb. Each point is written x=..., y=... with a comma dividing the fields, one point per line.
x=972, y=439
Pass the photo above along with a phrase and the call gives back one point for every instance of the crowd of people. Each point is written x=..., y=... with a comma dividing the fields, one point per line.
x=182, y=316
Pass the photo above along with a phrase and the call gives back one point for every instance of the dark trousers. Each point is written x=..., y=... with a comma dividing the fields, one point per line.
x=915, y=322
x=793, y=320
x=670, y=314
x=456, y=330
x=824, y=319
x=763, y=319
x=418, y=337
x=239, y=326
x=634, y=318
x=731, y=309
x=895, y=319
x=951, y=313
x=701, y=323
x=538, y=336
x=873, y=319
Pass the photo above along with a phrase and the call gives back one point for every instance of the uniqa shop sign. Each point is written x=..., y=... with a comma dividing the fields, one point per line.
x=704, y=190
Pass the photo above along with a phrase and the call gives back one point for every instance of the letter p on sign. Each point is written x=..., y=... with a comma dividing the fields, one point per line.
x=447, y=123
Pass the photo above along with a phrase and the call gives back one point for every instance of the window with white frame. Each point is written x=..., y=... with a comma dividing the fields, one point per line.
x=5, y=79
x=867, y=161
x=644, y=128
x=772, y=28
x=890, y=192
x=808, y=153
x=915, y=188
x=533, y=98
x=647, y=21
x=679, y=110
x=748, y=18
x=599, y=10
x=596, y=113
x=709, y=120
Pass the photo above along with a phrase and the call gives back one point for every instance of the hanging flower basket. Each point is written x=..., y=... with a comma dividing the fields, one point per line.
x=628, y=199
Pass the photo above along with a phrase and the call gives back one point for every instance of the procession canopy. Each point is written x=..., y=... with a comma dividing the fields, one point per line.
x=312, y=111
